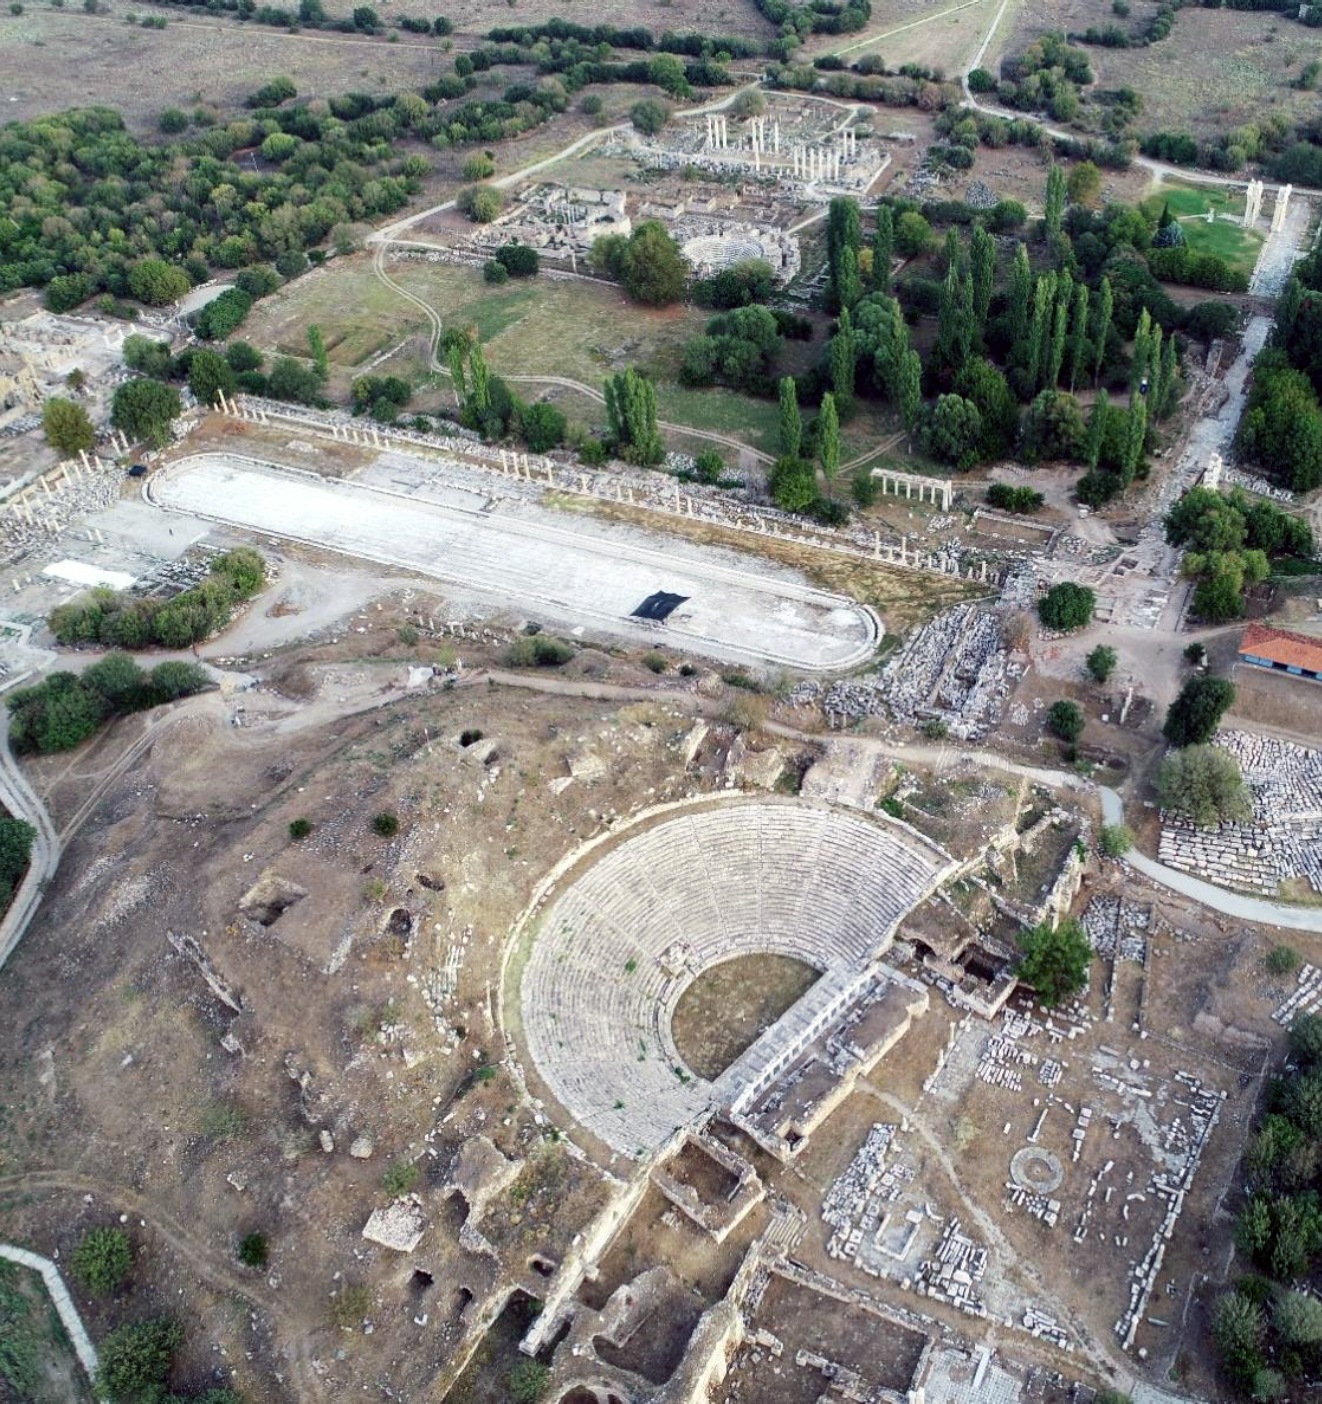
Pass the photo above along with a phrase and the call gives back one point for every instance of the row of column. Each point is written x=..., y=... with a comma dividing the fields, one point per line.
x=1253, y=205
x=521, y=467
x=718, y=135
x=941, y=490
x=813, y=163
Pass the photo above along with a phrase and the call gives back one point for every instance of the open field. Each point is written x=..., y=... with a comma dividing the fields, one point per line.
x=1231, y=241
x=946, y=39
x=477, y=16
x=575, y=328
x=46, y=57
x=1217, y=70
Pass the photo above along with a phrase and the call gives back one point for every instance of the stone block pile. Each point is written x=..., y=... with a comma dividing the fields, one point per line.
x=1284, y=838
x=1171, y=1185
x=1118, y=928
x=955, y=1271
x=854, y=1204
x=955, y=668
x=1305, y=998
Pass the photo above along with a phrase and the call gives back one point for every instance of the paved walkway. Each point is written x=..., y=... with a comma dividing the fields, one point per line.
x=1235, y=904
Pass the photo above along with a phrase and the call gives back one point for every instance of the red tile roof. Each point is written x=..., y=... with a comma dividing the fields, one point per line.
x=1282, y=646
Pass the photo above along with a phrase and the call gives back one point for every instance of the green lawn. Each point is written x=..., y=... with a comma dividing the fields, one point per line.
x=1229, y=240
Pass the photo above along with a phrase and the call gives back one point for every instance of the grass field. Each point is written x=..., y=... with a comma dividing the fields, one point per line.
x=64, y=58
x=943, y=35
x=581, y=330
x=1217, y=70
x=1229, y=240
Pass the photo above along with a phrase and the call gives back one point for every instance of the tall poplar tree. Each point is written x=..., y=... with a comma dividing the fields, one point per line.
x=791, y=423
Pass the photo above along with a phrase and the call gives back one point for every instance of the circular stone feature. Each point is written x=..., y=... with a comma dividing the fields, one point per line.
x=1036, y=1170
x=727, y=1008
x=648, y=911
x=721, y=250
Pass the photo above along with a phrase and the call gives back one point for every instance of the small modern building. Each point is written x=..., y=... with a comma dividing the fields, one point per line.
x=1282, y=651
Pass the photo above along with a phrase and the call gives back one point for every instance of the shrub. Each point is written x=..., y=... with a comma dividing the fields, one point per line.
x=528, y=1381
x=135, y=1359
x=655, y=662
x=1115, y=840
x=1101, y=663
x=708, y=466
x=537, y=651
x=386, y=824
x=1195, y=654
x=254, y=1249
x=102, y=1259
x=544, y=427
x=935, y=729
x=481, y=203
x=1282, y=960
x=1055, y=962
x=1067, y=606
x=400, y=1178
x=518, y=260
x=1203, y=784
x=299, y=828
x=495, y=273
x=1065, y=719
x=649, y=116
x=222, y=315
x=479, y=166
x=1021, y=500
x=220, y=1121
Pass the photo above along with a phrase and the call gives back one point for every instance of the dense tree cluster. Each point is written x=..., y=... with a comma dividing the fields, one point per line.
x=1230, y=541
x=1055, y=960
x=631, y=418
x=1268, y=1328
x=1192, y=719
x=1067, y=606
x=1281, y=429
x=86, y=208
x=119, y=620
x=64, y=709
x=1203, y=784
x=16, y=839
x=647, y=261
x=738, y=349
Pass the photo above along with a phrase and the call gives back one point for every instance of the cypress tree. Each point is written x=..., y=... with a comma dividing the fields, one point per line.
x=1138, y=365
x=910, y=384
x=1055, y=206
x=480, y=393
x=1169, y=373
x=828, y=441
x=842, y=358
x=1104, y=309
x=843, y=231
x=883, y=247
x=1057, y=355
x=1092, y=453
x=1136, y=432
x=982, y=264
x=1079, y=333
x=1021, y=296
x=848, y=284
x=791, y=424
